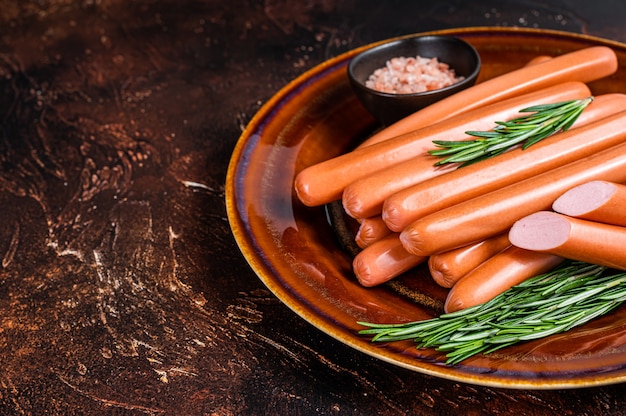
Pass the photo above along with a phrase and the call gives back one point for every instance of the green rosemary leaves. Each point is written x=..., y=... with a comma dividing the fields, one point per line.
x=543, y=121
x=570, y=295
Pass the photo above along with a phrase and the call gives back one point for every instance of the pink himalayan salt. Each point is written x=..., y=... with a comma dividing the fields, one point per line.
x=404, y=75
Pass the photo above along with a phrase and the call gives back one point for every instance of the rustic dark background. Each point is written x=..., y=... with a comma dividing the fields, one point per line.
x=122, y=291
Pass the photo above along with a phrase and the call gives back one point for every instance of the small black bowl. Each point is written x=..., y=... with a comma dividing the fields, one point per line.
x=388, y=107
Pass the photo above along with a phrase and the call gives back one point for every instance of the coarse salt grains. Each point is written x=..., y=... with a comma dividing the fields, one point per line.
x=408, y=75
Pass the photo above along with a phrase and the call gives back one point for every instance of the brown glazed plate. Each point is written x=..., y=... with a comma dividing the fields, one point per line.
x=295, y=252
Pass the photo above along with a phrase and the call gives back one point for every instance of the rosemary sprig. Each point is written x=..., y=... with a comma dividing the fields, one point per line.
x=570, y=295
x=544, y=121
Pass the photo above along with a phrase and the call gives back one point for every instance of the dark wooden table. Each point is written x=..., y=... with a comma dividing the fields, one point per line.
x=122, y=291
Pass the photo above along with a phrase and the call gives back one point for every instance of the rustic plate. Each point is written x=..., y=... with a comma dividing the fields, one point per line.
x=294, y=249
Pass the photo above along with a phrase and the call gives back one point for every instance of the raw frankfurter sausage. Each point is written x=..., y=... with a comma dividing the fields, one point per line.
x=382, y=261
x=572, y=238
x=447, y=268
x=495, y=212
x=583, y=65
x=600, y=201
x=371, y=230
x=394, y=164
x=599, y=129
x=506, y=269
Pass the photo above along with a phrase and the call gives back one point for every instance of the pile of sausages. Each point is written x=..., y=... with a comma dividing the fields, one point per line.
x=462, y=222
